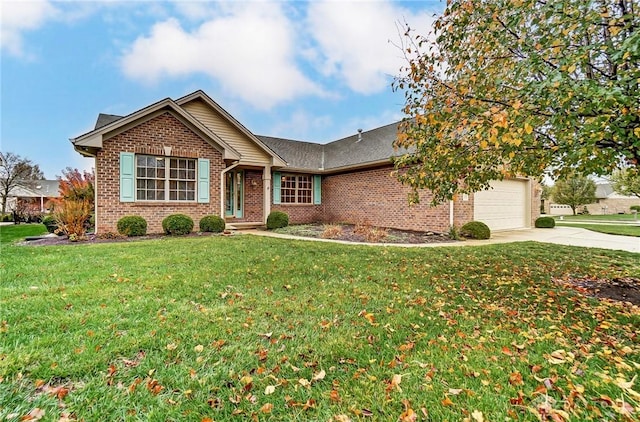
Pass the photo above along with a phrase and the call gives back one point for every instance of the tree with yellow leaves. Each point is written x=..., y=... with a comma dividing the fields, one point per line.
x=519, y=87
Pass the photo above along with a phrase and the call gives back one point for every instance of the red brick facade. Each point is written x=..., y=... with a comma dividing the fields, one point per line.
x=376, y=197
x=150, y=137
x=370, y=196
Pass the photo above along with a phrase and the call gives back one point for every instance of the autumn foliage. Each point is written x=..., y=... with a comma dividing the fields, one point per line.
x=519, y=87
x=73, y=209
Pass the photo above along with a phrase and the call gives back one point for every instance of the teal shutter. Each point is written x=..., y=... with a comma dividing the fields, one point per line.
x=127, y=177
x=203, y=181
x=317, y=189
x=277, y=182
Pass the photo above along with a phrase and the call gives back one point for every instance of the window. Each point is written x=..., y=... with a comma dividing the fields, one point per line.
x=296, y=189
x=161, y=179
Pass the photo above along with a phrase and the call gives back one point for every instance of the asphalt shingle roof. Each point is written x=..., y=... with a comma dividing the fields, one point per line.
x=105, y=119
x=368, y=147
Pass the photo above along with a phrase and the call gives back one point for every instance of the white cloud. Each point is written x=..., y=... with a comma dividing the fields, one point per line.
x=302, y=125
x=18, y=17
x=357, y=40
x=249, y=48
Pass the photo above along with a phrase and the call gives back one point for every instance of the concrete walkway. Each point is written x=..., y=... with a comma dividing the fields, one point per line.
x=571, y=236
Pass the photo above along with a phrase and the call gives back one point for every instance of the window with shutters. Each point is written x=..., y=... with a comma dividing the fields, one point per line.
x=165, y=179
x=296, y=189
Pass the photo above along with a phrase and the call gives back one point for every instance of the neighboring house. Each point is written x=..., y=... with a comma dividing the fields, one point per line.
x=609, y=201
x=190, y=156
x=33, y=195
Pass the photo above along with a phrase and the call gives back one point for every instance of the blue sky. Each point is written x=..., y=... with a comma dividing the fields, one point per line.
x=314, y=71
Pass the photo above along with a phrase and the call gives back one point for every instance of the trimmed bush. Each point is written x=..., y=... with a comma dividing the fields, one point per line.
x=212, y=223
x=635, y=208
x=177, y=224
x=277, y=220
x=545, y=222
x=475, y=230
x=132, y=225
x=50, y=223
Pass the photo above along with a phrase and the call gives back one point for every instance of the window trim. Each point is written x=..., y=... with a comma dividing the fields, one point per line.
x=297, y=189
x=167, y=180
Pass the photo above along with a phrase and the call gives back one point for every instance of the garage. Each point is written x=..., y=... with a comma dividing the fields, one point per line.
x=505, y=206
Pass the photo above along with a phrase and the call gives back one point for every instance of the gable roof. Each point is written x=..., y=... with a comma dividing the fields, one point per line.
x=367, y=148
x=90, y=142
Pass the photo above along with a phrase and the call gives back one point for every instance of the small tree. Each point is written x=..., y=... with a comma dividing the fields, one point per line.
x=15, y=170
x=626, y=182
x=574, y=191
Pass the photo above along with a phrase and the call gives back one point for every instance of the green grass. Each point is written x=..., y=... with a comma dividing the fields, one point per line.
x=623, y=230
x=608, y=217
x=231, y=327
x=13, y=233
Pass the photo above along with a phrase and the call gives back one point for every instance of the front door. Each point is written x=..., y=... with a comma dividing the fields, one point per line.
x=234, y=194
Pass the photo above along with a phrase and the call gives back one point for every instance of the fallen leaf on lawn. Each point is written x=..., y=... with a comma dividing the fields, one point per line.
x=477, y=416
x=334, y=396
x=560, y=356
x=408, y=416
x=267, y=408
x=507, y=351
x=395, y=382
x=34, y=415
x=171, y=346
x=341, y=418
x=206, y=420
x=515, y=379
x=270, y=389
x=246, y=380
x=304, y=382
x=625, y=385
x=319, y=376
x=447, y=402
x=455, y=391
x=199, y=348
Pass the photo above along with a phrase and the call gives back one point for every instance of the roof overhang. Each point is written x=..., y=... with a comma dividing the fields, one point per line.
x=90, y=143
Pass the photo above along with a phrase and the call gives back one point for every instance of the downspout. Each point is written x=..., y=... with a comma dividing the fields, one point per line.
x=451, y=213
x=222, y=174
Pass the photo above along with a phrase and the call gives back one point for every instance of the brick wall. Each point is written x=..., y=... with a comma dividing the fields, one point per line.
x=301, y=214
x=150, y=137
x=253, y=197
x=376, y=197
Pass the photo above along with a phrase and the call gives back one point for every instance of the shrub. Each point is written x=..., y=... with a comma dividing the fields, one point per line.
x=277, y=220
x=7, y=217
x=177, y=224
x=72, y=216
x=132, y=225
x=50, y=223
x=475, y=230
x=545, y=222
x=212, y=223
x=635, y=208
x=331, y=231
x=454, y=233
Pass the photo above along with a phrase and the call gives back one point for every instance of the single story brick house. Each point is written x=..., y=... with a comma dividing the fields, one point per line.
x=191, y=156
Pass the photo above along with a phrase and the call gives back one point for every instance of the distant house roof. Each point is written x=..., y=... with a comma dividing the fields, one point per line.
x=604, y=190
x=105, y=119
x=36, y=189
x=368, y=147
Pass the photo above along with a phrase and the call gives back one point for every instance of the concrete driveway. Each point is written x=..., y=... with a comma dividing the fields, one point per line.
x=571, y=236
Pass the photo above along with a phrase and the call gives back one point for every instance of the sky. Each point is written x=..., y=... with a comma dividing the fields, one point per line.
x=313, y=71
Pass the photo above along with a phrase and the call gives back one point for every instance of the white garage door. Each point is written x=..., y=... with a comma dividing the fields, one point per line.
x=504, y=207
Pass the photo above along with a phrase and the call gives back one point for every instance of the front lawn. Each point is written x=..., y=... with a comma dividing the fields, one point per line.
x=244, y=327
x=16, y=232
x=619, y=229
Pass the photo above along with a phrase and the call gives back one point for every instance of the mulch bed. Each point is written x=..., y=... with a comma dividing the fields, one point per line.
x=352, y=233
x=623, y=289
x=91, y=238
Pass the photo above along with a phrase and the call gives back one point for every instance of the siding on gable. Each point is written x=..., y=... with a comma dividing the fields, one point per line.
x=215, y=122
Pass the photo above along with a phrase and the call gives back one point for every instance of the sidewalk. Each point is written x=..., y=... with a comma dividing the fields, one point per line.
x=570, y=236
